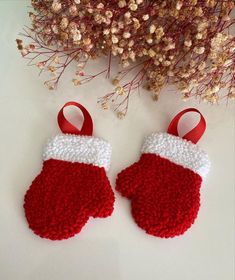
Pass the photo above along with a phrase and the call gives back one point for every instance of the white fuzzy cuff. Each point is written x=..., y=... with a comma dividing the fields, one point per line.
x=179, y=151
x=83, y=149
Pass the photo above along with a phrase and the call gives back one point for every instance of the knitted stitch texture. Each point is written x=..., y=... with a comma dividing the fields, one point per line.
x=165, y=196
x=63, y=197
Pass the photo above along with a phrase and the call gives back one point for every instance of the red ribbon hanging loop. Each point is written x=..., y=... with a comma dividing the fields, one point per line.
x=193, y=135
x=67, y=127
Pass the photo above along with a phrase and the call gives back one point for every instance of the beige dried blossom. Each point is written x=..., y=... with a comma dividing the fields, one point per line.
x=51, y=69
x=202, y=66
x=151, y=53
x=188, y=43
x=132, y=56
x=109, y=14
x=136, y=23
x=126, y=35
x=125, y=63
x=152, y=28
x=133, y=6
x=120, y=115
x=198, y=12
x=159, y=32
x=149, y=39
x=145, y=17
x=218, y=40
x=55, y=28
x=76, y=82
x=231, y=95
x=170, y=46
x=50, y=86
x=106, y=31
x=73, y=10
x=127, y=15
x=155, y=96
x=105, y=106
x=199, y=36
x=64, y=23
x=202, y=26
x=100, y=6
x=86, y=41
x=179, y=5
x=120, y=90
x=115, y=82
x=41, y=65
x=199, y=50
x=76, y=36
x=121, y=3
x=56, y=6
x=115, y=39
x=210, y=3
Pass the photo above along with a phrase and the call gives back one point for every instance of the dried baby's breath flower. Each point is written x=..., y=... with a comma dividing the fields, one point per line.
x=73, y=10
x=170, y=46
x=51, y=69
x=133, y=7
x=109, y=14
x=56, y=6
x=145, y=17
x=77, y=36
x=179, y=5
x=121, y=3
x=202, y=66
x=136, y=23
x=126, y=35
x=100, y=6
x=155, y=96
x=125, y=63
x=115, y=82
x=127, y=15
x=41, y=64
x=115, y=39
x=186, y=43
x=106, y=31
x=64, y=23
x=105, y=106
x=199, y=50
x=152, y=28
x=151, y=53
x=159, y=32
x=24, y=52
x=120, y=90
x=76, y=82
x=231, y=95
x=120, y=115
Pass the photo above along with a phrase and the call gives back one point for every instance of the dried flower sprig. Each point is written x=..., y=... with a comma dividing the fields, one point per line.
x=188, y=43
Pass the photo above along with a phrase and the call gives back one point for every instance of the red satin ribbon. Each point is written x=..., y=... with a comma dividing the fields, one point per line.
x=67, y=127
x=193, y=135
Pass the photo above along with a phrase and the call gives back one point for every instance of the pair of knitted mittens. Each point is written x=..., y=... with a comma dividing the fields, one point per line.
x=164, y=185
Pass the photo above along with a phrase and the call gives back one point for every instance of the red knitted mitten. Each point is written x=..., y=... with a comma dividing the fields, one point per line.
x=72, y=185
x=164, y=185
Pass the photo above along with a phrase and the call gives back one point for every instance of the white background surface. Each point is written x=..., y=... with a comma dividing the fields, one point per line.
x=113, y=248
